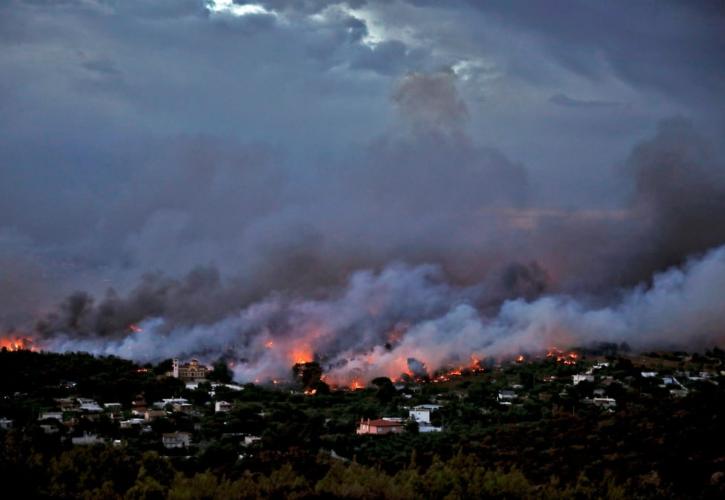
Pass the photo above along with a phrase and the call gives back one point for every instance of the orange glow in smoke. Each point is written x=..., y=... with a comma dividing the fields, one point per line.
x=356, y=385
x=302, y=354
x=133, y=327
x=520, y=358
x=269, y=344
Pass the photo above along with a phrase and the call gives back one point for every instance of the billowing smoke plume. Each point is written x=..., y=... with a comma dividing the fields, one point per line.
x=426, y=250
x=410, y=320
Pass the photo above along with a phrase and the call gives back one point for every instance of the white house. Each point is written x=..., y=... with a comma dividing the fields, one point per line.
x=506, y=397
x=172, y=401
x=250, y=440
x=51, y=415
x=49, y=428
x=582, y=377
x=420, y=415
x=605, y=402
x=89, y=405
x=131, y=422
x=176, y=440
x=222, y=407
x=428, y=428
x=86, y=440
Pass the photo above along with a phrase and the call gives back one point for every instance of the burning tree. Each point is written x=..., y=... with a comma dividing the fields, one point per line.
x=309, y=374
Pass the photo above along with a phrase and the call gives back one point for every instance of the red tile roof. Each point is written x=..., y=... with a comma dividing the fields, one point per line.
x=384, y=423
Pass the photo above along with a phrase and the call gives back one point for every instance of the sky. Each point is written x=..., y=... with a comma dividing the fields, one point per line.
x=214, y=154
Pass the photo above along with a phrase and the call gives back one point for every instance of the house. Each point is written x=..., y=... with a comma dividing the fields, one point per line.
x=171, y=401
x=582, y=377
x=422, y=413
x=380, y=426
x=66, y=404
x=189, y=372
x=6, y=424
x=605, y=402
x=176, y=440
x=89, y=405
x=87, y=440
x=222, y=407
x=138, y=405
x=250, y=440
x=183, y=407
x=506, y=396
x=49, y=428
x=131, y=422
x=51, y=415
x=423, y=427
x=152, y=415
x=112, y=407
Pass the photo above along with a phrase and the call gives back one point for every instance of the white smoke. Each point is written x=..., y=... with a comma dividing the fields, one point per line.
x=379, y=321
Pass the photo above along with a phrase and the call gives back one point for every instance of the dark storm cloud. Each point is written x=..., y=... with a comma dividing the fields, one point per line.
x=669, y=46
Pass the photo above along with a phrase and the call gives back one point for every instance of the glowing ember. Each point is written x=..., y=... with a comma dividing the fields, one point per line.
x=310, y=392
x=520, y=358
x=356, y=385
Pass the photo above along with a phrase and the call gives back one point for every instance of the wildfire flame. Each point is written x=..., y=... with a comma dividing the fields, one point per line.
x=17, y=344
x=356, y=385
x=301, y=355
x=133, y=327
x=564, y=358
x=520, y=358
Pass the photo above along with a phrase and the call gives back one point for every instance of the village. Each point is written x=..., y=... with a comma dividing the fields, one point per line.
x=198, y=413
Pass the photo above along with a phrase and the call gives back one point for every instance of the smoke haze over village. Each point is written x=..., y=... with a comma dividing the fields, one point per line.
x=383, y=185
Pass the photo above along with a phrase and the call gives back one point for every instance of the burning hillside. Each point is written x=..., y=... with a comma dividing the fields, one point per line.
x=17, y=343
x=410, y=322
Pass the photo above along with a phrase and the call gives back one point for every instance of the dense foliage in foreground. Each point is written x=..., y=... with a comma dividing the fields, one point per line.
x=548, y=446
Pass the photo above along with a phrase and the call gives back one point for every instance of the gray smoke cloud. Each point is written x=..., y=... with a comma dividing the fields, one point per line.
x=410, y=320
x=615, y=278
x=359, y=174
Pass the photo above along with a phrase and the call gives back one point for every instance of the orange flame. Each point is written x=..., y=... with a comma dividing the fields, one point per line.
x=561, y=357
x=520, y=358
x=17, y=344
x=356, y=385
x=302, y=354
